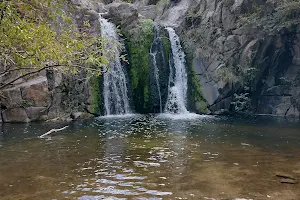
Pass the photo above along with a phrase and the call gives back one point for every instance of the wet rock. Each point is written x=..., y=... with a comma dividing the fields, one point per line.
x=80, y=115
x=175, y=14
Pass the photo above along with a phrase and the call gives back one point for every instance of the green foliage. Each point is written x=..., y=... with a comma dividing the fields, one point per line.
x=167, y=47
x=233, y=74
x=285, y=15
x=243, y=77
x=139, y=42
x=241, y=102
x=95, y=94
x=30, y=39
x=26, y=104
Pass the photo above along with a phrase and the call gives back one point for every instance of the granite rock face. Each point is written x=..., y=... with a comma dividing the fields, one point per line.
x=246, y=48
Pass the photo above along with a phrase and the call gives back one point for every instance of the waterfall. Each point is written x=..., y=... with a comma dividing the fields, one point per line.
x=153, y=53
x=114, y=88
x=177, y=94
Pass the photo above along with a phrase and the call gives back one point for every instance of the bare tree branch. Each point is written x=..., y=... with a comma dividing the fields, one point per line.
x=27, y=74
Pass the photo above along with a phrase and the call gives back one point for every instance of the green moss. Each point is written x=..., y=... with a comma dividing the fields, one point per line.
x=167, y=47
x=95, y=94
x=194, y=89
x=26, y=104
x=139, y=42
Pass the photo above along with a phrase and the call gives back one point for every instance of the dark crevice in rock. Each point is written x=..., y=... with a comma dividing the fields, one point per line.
x=287, y=110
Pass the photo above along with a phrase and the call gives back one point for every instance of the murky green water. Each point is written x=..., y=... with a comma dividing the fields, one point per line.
x=144, y=157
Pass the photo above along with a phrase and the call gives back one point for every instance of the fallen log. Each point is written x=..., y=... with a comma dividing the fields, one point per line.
x=52, y=131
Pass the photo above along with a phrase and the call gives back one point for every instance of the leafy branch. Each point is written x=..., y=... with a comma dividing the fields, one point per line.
x=30, y=43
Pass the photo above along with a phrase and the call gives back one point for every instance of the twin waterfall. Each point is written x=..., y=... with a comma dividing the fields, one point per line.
x=116, y=101
x=115, y=96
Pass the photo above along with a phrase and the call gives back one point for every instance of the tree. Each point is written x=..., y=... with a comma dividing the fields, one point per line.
x=36, y=35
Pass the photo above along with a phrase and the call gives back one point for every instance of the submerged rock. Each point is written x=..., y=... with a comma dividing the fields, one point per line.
x=285, y=176
x=288, y=181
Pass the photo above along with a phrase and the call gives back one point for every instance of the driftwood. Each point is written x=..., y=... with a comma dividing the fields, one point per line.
x=52, y=131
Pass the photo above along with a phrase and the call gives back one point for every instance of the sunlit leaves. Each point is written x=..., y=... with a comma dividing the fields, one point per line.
x=28, y=39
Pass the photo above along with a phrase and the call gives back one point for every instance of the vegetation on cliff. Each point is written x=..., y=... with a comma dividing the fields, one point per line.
x=139, y=42
x=272, y=18
x=195, y=95
x=95, y=95
x=38, y=35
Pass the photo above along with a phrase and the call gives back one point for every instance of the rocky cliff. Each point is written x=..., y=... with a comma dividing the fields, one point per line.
x=245, y=53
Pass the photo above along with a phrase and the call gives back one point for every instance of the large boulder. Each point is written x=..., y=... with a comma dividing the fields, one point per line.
x=123, y=14
x=15, y=115
x=148, y=12
x=36, y=93
x=35, y=113
x=12, y=99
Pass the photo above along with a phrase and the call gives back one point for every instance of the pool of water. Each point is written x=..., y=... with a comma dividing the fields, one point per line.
x=146, y=157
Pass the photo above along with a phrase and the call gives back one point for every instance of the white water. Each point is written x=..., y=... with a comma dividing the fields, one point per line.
x=183, y=116
x=177, y=94
x=116, y=100
x=119, y=116
x=156, y=70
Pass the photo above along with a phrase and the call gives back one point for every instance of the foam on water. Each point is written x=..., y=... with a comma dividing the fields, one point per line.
x=187, y=116
x=119, y=116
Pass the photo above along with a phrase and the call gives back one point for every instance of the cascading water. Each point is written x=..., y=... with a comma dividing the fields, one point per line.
x=153, y=53
x=116, y=100
x=177, y=93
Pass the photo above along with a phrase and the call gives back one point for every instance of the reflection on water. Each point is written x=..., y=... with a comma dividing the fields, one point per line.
x=146, y=157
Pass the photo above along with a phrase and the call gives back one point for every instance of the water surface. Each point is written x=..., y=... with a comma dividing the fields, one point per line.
x=146, y=157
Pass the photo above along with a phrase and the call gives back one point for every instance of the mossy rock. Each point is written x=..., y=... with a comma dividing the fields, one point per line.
x=95, y=86
x=138, y=43
x=196, y=101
